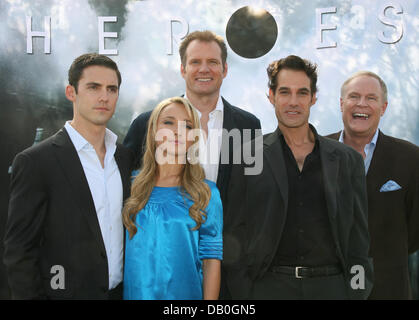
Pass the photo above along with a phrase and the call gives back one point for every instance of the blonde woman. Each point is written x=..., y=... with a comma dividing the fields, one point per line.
x=174, y=216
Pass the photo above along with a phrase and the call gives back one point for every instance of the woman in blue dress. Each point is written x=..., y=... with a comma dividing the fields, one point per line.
x=174, y=216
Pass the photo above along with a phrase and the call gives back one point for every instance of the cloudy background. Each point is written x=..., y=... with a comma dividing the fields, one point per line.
x=150, y=74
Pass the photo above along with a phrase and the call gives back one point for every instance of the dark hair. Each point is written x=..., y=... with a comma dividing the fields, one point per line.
x=87, y=60
x=294, y=63
x=205, y=36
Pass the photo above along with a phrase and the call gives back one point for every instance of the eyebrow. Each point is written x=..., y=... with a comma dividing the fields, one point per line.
x=100, y=85
x=300, y=89
x=172, y=117
x=93, y=84
x=357, y=93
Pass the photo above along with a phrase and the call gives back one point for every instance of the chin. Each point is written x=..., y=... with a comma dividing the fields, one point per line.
x=359, y=132
x=101, y=123
x=294, y=125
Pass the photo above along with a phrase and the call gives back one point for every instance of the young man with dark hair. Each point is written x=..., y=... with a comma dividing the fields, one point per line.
x=86, y=60
x=64, y=234
x=301, y=223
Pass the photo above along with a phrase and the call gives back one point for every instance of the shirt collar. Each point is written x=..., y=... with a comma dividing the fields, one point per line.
x=80, y=142
x=219, y=107
x=373, y=140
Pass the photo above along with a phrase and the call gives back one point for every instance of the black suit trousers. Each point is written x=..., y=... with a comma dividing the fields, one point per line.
x=275, y=286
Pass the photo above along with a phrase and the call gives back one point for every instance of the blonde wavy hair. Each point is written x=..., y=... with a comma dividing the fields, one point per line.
x=192, y=185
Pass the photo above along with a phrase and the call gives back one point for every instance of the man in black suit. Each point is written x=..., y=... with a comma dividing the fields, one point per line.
x=299, y=228
x=203, y=66
x=64, y=234
x=392, y=173
x=203, y=55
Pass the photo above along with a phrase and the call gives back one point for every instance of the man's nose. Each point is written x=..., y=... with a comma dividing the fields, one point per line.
x=204, y=67
x=363, y=101
x=104, y=95
x=293, y=99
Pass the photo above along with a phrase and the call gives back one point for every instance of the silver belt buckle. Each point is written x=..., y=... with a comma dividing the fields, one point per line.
x=296, y=272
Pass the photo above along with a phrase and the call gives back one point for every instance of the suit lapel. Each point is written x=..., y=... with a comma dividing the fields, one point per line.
x=224, y=169
x=124, y=172
x=275, y=157
x=330, y=168
x=70, y=163
x=374, y=171
x=376, y=177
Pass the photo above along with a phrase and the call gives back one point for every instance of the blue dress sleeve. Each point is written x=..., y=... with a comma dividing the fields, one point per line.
x=211, y=231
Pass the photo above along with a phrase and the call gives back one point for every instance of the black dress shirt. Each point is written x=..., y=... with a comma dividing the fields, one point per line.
x=307, y=238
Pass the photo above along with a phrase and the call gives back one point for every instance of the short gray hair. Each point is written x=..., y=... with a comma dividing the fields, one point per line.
x=369, y=74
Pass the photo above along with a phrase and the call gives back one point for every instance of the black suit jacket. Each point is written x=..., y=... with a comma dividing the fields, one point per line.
x=393, y=216
x=257, y=210
x=234, y=118
x=52, y=221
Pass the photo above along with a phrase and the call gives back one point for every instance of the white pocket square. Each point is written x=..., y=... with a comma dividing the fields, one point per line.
x=390, y=185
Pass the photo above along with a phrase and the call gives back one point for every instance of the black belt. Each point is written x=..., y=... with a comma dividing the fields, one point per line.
x=307, y=272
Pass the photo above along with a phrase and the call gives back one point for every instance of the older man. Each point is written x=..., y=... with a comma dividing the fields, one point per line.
x=392, y=172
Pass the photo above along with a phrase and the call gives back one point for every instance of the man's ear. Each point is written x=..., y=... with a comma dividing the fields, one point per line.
x=384, y=108
x=70, y=93
x=182, y=70
x=225, y=70
x=271, y=96
x=313, y=99
x=341, y=105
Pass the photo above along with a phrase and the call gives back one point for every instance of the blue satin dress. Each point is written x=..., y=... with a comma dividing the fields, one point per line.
x=163, y=261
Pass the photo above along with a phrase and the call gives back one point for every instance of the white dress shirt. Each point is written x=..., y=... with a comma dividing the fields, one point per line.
x=210, y=147
x=106, y=188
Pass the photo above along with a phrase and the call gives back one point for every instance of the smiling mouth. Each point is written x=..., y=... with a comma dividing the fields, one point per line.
x=204, y=79
x=362, y=116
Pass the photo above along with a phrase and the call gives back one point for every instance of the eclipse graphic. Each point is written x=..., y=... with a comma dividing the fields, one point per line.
x=251, y=32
